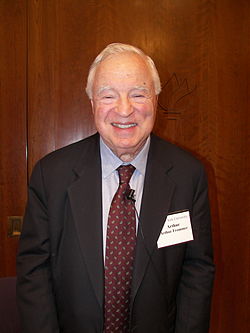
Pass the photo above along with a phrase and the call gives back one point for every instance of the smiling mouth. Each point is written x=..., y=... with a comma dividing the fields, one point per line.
x=123, y=126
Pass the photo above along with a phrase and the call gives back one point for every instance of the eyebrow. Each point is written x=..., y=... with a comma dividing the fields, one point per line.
x=104, y=88
x=101, y=89
x=140, y=88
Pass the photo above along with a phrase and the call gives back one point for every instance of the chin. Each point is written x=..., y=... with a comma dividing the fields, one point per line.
x=126, y=144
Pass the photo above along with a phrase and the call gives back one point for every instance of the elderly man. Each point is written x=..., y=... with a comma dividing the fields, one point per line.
x=116, y=236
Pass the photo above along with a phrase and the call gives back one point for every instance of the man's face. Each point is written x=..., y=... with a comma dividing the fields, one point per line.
x=124, y=103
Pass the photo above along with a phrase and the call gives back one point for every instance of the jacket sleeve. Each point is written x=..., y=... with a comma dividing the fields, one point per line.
x=195, y=288
x=34, y=278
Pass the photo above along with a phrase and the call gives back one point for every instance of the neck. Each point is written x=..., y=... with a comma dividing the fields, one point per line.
x=126, y=157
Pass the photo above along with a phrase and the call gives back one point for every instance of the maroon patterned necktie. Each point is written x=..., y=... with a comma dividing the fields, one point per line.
x=120, y=246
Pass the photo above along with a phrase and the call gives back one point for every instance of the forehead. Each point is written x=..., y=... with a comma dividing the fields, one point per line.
x=123, y=68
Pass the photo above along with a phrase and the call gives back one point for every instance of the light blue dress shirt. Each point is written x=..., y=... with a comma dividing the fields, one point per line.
x=110, y=180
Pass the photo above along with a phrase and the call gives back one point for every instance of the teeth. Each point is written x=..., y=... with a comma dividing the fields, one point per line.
x=123, y=125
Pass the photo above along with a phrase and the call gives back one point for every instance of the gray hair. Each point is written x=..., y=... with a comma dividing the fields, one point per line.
x=116, y=48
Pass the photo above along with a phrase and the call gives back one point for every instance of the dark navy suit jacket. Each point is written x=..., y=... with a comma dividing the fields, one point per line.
x=60, y=260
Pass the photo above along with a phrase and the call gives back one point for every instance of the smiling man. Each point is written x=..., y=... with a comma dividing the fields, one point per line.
x=99, y=251
x=124, y=103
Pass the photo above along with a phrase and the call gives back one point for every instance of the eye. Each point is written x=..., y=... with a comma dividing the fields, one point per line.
x=138, y=96
x=107, y=97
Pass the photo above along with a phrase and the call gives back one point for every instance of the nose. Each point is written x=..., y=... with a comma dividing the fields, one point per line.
x=124, y=107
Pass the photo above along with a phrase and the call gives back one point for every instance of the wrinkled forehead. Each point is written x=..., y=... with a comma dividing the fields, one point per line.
x=124, y=67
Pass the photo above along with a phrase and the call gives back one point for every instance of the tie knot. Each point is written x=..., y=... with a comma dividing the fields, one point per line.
x=125, y=173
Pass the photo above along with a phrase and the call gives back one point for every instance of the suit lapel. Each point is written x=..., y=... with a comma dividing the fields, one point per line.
x=85, y=196
x=157, y=194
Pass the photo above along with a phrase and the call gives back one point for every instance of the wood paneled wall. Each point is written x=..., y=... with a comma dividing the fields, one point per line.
x=60, y=50
x=202, y=51
x=13, y=140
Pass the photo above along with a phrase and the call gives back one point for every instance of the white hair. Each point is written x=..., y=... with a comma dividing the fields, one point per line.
x=116, y=48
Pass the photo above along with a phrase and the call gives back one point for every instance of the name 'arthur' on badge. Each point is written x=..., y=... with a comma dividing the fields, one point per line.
x=177, y=229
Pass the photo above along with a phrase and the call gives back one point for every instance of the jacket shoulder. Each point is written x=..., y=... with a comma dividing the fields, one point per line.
x=172, y=154
x=58, y=166
x=71, y=152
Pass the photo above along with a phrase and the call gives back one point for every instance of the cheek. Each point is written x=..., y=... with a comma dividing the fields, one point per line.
x=103, y=116
x=100, y=114
x=147, y=112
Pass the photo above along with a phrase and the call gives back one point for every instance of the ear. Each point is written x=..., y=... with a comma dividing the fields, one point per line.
x=156, y=101
x=92, y=105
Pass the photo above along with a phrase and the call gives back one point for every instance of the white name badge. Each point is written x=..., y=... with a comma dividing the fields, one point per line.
x=177, y=229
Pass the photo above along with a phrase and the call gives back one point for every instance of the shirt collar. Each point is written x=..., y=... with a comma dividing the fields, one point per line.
x=111, y=162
